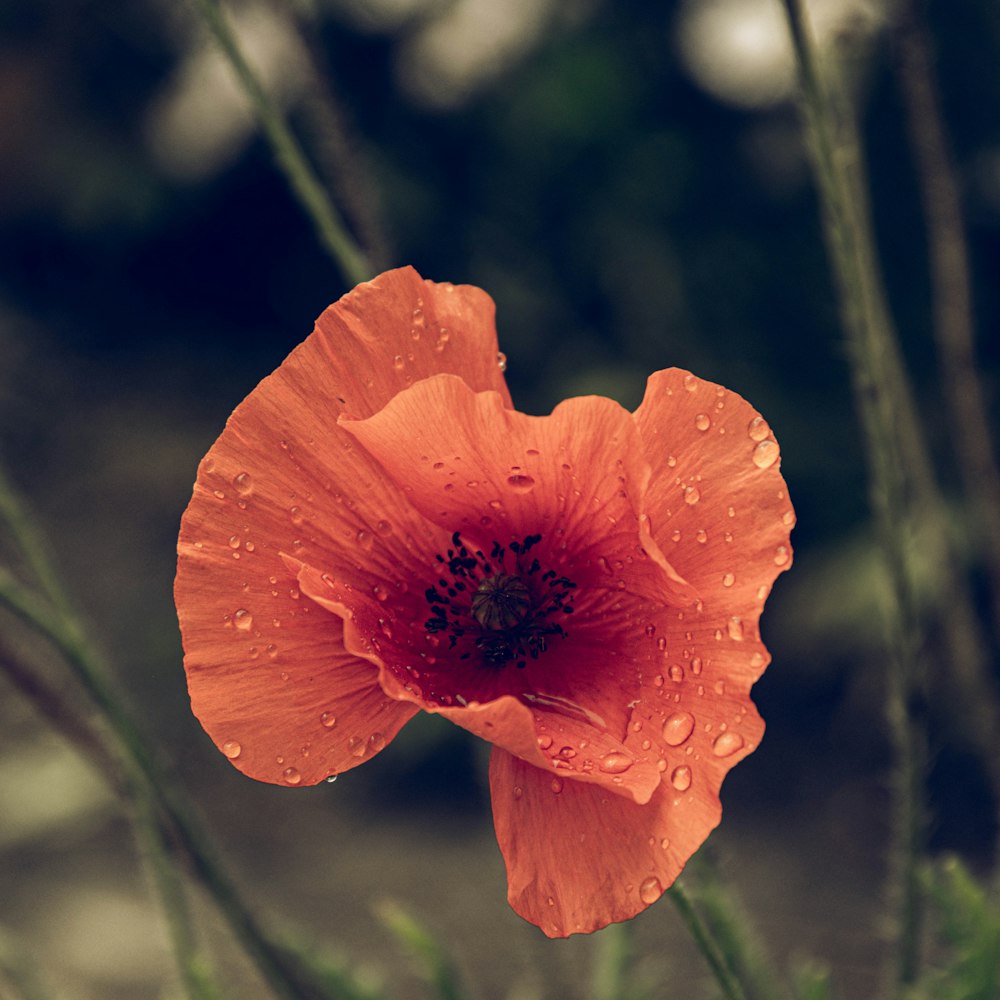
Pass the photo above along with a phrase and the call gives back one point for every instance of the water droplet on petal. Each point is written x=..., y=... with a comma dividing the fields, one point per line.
x=557, y=785
x=544, y=741
x=680, y=778
x=691, y=495
x=728, y=580
x=397, y=362
x=243, y=620
x=357, y=746
x=735, y=629
x=758, y=429
x=291, y=775
x=690, y=382
x=781, y=555
x=765, y=454
x=296, y=515
x=615, y=763
x=650, y=890
x=788, y=518
x=676, y=673
x=380, y=592
x=521, y=483
x=678, y=728
x=376, y=742
x=501, y=361
x=727, y=744
x=702, y=422
x=244, y=484
x=328, y=719
x=232, y=749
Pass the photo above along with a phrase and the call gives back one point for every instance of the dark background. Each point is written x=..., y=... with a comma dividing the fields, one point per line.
x=626, y=213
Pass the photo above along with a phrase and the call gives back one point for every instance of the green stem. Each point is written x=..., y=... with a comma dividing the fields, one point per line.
x=280, y=968
x=615, y=953
x=951, y=284
x=899, y=470
x=330, y=228
x=731, y=989
x=194, y=971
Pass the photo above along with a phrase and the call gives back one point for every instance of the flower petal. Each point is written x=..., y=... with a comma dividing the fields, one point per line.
x=575, y=479
x=284, y=477
x=717, y=502
x=552, y=732
x=578, y=859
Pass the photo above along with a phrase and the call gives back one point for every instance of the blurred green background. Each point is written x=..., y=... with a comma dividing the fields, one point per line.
x=629, y=183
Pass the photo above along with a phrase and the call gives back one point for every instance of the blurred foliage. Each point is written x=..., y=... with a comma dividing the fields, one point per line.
x=624, y=220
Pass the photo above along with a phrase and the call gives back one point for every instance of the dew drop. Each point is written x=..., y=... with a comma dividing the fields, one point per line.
x=615, y=763
x=678, y=728
x=735, y=629
x=376, y=742
x=691, y=495
x=331, y=778
x=381, y=594
x=357, y=746
x=661, y=644
x=680, y=778
x=243, y=620
x=328, y=720
x=557, y=785
x=544, y=741
x=781, y=555
x=232, y=749
x=518, y=791
x=702, y=422
x=521, y=483
x=397, y=362
x=296, y=515
x=728, y=580
x=650, y=890
x=567, y=753
x=758, y=429
x=658, y=680
x=727, y=744
x=690, y=382
x=765, y=454
x=234, y=541
x=244, y=484
x=701, y=535
x=676, y=673
x=696, y=666
x=291, y=776
x=788, y=518
x=501, y=361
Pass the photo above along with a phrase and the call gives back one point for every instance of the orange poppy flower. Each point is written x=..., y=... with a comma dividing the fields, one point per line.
x=378, y=532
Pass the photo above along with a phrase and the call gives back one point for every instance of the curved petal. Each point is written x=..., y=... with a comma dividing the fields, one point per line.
x=563, y=737
x=283, y=477
x=578, y=859
x=717, y=501
x=488, y=476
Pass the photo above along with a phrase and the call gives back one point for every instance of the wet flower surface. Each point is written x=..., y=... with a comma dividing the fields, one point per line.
x=378, y=532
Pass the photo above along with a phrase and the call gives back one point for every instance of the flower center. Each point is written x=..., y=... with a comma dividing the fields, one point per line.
x=501, y=608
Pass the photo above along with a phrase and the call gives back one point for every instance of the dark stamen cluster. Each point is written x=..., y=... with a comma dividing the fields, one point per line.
x=506, y=610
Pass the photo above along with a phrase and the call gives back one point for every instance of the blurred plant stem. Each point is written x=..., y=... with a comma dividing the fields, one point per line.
x=897, y=461
x=433, y=962
x=335, y=146
x=614, y=956
x=150, y=789
x=330, y=228
x=731, y=988
x=951, y=285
